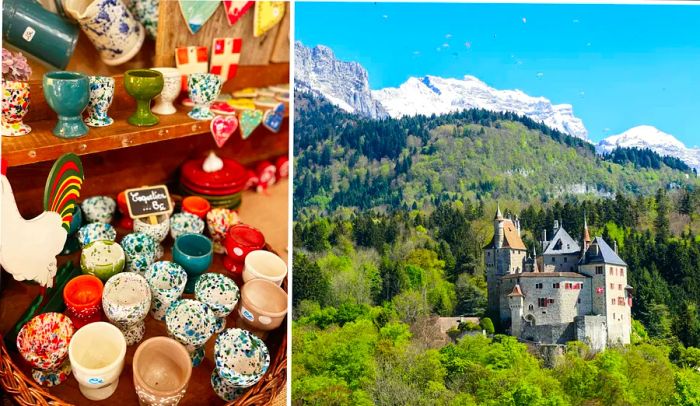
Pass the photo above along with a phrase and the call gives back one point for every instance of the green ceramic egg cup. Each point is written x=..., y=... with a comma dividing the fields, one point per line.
x=143, y=85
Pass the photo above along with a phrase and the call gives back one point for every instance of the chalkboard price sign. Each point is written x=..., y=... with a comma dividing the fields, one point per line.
x=148, y=201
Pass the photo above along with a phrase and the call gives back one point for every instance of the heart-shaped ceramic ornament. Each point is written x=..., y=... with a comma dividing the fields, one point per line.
x=196, y=13
x=272, y=120
x=249, y=121
x=267, y=15
x=236, y=9
x=222, y=128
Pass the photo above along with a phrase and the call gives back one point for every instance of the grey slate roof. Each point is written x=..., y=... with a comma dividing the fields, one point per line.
x=562, y=243
x=544, y=275
x=603, y=255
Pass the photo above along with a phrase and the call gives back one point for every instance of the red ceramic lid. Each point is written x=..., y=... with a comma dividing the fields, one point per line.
x=246, y=236
x=189, y=187
x=232, y=174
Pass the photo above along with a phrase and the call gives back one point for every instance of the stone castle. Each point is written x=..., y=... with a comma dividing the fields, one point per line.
x=572, y=291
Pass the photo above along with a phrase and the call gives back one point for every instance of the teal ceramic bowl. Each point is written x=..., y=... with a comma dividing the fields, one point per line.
x=103, y=259
x=194, y=252
x=67, y=93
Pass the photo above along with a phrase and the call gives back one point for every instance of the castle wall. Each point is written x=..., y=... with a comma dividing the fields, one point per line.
x=593, y=331
x=611, y=300
x=551, y=333
x=560, y=263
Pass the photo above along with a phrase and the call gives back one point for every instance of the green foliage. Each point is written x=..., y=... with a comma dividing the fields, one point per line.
x=487, y=325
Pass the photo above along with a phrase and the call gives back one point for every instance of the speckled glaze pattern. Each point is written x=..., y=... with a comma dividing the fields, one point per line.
x=146, y=11
x=101, y=95
x=99, y=209
x=103, y=259
x=96, y=232
x=167, y=282
x=156, y=231
x=43, y=343
x=172, y=84
x=241, y=360
x=204, y=89
x=218, y=222
x=185, y=223
x=140, y=251
x=126, y=299
x=220, y=293
x=146, y=398
x=192, y=324
x=113, y=30
x=15, y=105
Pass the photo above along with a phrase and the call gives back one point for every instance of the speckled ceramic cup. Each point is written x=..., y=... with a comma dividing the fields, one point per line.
x=101, y=95
x=204, y=89
x=140, y=251
x=96, y=232
x=191, y=323
x=220, y=293
x=99, y=209
x=162, y=369
x=126, y=299
x=219, y=220
x=172, y=83
x=185, y=223
x=167, y=282
x=157, y=231
x=103, y=259
x=43, y=343
x=241, y=361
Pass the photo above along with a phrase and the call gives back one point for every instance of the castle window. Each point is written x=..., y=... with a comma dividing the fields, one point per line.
x=599, y=270
x=567, y=285
x=565, y=259
x=612, y=301
x=538, y=286
x=612, y=286
x=579, y=300
x=555, y=285
x=531, y=307
x=622, y=271
x=542, y=302
x=488, y=253
x=554, y=259
x=551, y=301
x=614, y=316
x=619, y=286
x=621, y=301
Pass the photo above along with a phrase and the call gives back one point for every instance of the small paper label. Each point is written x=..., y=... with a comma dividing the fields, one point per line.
x=247, y=314
x=28, y=34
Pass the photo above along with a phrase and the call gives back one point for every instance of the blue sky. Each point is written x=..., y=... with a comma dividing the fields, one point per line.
x=619, y=66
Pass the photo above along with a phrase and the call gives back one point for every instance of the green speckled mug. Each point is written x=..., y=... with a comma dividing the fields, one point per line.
x=143, y=85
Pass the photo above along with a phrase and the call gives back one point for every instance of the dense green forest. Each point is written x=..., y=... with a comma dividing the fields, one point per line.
x=385, y=242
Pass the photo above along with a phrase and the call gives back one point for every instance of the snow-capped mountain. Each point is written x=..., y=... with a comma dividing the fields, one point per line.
x=646, y=136
x=432, y=94
x=343, y=84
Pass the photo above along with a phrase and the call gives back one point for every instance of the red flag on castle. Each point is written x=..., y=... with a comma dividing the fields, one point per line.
x=599, y=290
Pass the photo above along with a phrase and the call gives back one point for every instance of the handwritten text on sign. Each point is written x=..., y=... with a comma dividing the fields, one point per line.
x=148, y=201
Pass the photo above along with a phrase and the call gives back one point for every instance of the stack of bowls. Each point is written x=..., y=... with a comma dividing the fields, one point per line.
x=222, y=188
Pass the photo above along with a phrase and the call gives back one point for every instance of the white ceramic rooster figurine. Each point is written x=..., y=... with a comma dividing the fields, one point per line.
x=28, y=248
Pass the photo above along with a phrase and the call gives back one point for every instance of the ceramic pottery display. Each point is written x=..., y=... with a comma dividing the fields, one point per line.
x=162, y=369
x=196, y=205
x=43, y=343
x=101, y=94
x=156, y=231
x=263, y=304
x=241, y=239
x=222, y=187
x=191, y=323
x=143, y=85
x=36, y=31
x=96, y=232
x=264, y=265
x=103, y=259
x=241, y=361
x=83, y=298
x=111, y=28
x=67, y=94
x=76, y=222
x=140, y=250
x=96, y=355
x=194, y=253
x=204, y=89
x=219, y=220
x=249, y=121
x=167, y=282
x=15, y=105
x=146, y=11
x=185, y=223
x=220, y=293
x=125, y=300
x=99, y=209
x=172, y=83
x=124, y=220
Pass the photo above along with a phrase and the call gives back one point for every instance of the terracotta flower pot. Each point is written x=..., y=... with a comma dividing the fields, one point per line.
x=162, y=370
x=97, y=354
x=83, y=298
x=263, y=305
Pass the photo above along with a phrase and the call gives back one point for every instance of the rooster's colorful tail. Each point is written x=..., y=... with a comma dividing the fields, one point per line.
x=63, y=187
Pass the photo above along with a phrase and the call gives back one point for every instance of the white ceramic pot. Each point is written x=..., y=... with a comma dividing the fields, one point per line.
x=110, y=26
x=172, y=84
x=263, y=264
x=157, y=231
x=96, y=355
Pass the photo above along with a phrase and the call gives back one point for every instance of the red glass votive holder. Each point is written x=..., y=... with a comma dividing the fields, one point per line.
x=240, y=240
x=196, y=205
x=125, y=221
x=83, y=298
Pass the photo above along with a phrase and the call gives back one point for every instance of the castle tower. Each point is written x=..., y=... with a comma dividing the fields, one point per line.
x=515, y=302
x=586, y=237
x=498, y=227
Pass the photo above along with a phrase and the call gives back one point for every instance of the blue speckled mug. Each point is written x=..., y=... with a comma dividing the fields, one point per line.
x=194, y=252
x=67, y=94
